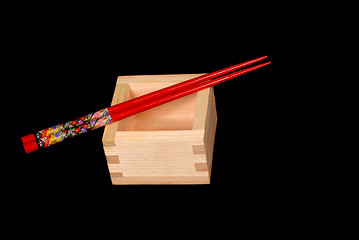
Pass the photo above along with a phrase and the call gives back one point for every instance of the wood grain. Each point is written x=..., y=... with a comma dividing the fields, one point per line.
x=169, y=144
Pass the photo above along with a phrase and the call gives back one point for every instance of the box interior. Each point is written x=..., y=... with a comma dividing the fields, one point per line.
x=175, y=115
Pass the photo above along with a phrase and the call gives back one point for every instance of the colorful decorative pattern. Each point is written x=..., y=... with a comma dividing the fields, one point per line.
x=58, y=133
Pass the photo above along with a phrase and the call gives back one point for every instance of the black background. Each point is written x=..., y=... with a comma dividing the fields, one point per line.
x=61, y=73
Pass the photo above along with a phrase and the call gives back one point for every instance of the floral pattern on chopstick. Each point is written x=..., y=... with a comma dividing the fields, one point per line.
x=73, y=128
x=71, y=124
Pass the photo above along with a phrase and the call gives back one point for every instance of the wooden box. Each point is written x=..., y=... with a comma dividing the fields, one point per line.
x=169, y=144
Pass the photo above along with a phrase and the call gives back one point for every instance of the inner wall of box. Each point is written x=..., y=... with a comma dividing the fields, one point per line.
x=175, y=115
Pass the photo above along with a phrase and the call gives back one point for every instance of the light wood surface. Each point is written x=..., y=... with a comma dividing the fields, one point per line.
x=169, y=144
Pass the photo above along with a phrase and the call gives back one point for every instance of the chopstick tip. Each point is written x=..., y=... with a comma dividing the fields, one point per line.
x=265, y=64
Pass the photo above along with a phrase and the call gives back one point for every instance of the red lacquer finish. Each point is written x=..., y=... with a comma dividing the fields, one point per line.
x=178, y=87
x=29, y=143
x=30, y=146
x=170, y=97
x=28, y=138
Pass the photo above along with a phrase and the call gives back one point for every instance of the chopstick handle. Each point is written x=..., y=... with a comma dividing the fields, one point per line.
x=59, y=132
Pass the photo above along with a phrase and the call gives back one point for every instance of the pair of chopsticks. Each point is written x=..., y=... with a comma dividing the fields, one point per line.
x=103, y=117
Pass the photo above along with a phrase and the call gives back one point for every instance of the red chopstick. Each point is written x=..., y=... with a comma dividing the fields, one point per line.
x=170, y=97
x=142, y=99
x=179, y=86
x=104, y=117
